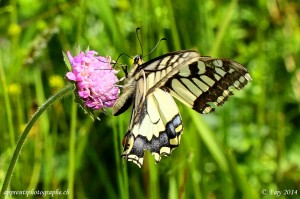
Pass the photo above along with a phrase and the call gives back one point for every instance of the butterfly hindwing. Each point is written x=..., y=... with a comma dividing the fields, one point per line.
x=153, y=128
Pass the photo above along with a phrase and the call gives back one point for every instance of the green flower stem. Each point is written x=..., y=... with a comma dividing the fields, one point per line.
x=66, y=90
x=72, y=146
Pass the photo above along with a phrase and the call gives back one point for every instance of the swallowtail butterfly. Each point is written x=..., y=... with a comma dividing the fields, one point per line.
x=198, y=82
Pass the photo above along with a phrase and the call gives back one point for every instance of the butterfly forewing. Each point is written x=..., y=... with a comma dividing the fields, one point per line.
x=207, y=81
x=160, y=69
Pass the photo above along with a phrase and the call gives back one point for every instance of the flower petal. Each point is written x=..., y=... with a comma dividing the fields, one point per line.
x=71, y=76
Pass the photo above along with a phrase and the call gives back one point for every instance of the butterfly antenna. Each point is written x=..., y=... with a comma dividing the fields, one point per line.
x=120, y=56
x=163, y=39
x=123, y=68
x=137, y=35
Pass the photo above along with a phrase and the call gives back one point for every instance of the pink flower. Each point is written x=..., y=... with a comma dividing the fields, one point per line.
x=95, y=79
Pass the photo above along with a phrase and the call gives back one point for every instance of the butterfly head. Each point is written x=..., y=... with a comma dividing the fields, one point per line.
x=138, y=60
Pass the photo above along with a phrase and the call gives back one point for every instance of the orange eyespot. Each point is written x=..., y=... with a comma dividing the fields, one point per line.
x=124, y=141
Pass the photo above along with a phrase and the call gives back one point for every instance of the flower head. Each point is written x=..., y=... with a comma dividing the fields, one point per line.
x=95, y=79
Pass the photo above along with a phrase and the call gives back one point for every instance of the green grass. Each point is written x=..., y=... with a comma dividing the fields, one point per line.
x=250, y=144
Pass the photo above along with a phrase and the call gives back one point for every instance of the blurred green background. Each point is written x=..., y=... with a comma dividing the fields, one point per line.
x=249, y=148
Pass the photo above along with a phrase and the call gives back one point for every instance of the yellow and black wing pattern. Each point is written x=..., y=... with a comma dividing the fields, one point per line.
x=199, y=82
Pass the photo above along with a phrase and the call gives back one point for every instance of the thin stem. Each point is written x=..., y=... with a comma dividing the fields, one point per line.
x=29, y=125
x=72, y=146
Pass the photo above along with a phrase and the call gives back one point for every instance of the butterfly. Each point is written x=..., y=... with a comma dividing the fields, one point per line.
x=200, y=83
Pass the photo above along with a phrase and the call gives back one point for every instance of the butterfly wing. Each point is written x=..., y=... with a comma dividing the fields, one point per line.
x=153, y=127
